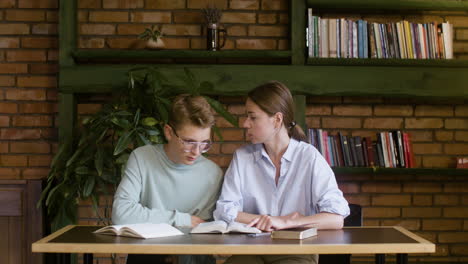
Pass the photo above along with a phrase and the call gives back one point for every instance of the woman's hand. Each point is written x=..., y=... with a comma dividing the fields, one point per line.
x=269, y=223
x=196, y=220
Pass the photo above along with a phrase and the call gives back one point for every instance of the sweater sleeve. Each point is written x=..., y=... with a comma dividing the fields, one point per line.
x=127, y=208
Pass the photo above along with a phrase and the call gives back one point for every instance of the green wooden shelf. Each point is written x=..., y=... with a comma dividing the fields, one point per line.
x=416, y=5
x=233, y=80
x=123, y=55
x=401, y=171
x=388, y=62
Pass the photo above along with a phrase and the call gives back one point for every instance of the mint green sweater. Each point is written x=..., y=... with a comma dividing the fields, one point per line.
x=155, y=189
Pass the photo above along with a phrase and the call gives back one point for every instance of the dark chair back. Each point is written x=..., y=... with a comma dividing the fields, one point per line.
x=353, y=219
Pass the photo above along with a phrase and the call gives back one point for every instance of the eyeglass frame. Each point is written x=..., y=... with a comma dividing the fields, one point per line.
x=192, y=144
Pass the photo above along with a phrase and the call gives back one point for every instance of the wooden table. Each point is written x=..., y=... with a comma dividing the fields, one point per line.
x=350, y=240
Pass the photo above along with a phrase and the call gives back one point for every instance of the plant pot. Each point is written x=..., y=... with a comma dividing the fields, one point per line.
x=158, y=44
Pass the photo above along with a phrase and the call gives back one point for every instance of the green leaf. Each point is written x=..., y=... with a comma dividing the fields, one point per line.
x=89, y=186
x=218, y=132
x=99, y=160
x=206, y=87
x=149, y=121
x=191, y=81
x=162, y=112
x=83, y=170
x=136, y=119
x=121, y=122
x=152, y=132
x=144, y=139
x=219, y=108
x=123, y=142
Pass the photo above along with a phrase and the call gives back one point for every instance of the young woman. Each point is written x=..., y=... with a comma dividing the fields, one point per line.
x=172, y=183
x=279, y=181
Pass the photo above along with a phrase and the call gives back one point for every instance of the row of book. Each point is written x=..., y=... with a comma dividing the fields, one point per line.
x=343, y=38
x=392, y=149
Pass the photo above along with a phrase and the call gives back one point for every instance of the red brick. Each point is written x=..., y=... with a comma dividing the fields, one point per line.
x=451, y=237
x=29, y=147
x=177, y=43
x=83, y=109
x=380, y=212
x=8, y=42
x=215, y=149
x=37, y=108
x=438, y=162
x=43, y=68
x=456, y=123
x=7, y=3
x=238, y=17
x=38, y=3
x=393, y=110
x=268, y=31
x=25, y=94
x=32, y=121
x=35, y=173
x=162, y=17
x=236, y=109
x=123, y=4
x=98, y=29
x=52, y=55
x=459, y=187
x=348, y=187
x=421, y=212
x=126, y=43
x=52, y=16
x=391, y=200
x=283, y=44
x=429, y=148
x=108, y=16
x=4, y=121
x=318, y=110
x=91, y=43
x=267, y=18
x=130, y=29
x=341, y=122
x=165, y=4
x=14, y=29
x=222, y=161
x=223, y=123
x=461, y=110
x=8, y=108
x=424, y=123
x=446, y=199
x=459, y=250
x=182, y=30
x=13, y=68
x=24, y=15
x=383, y=123
x=3, y=147
x=39, y=160
x=429, y=110
x=37, y=81
x=456, y=149
x=221, y=4
x=10, y=173
x=13, y=160
x=7, y=80
x=26, y=55
x=231, y=135
x=229, y=148
x=363, y=200
x=39, y=42
x=444, y=135
x=284, y=18
x=45, y=29
x=421, y=187
x=461, y=135
x=89, y=4
x=442, y=224
x=353, y=110
x=19, y=134
x=381, y=188
x=410, y=224
x=275, y=5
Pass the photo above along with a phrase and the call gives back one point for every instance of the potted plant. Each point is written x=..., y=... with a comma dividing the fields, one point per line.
x=91, y=163
x=152, y=36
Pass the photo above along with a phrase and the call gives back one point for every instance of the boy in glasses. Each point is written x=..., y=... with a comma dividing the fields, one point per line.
x=172, y=183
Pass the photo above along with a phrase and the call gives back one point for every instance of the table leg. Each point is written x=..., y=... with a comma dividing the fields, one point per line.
x=402, y=258
x=88, y=258
x=379, y=258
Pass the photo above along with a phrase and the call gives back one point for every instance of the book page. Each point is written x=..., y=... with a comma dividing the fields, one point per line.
x=144, y=230
x=210, y=227
x=242, y=228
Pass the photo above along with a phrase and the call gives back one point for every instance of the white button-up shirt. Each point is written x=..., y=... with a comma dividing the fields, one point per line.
x=306, y=184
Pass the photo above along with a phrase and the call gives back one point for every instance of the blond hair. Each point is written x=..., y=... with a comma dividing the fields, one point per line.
x=190, y=109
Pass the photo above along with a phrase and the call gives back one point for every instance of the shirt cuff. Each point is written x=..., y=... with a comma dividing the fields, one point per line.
x=183, y=219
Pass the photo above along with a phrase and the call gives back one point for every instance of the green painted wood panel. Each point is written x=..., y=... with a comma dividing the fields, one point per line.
x=308, y=80
x=155, y=54
x=298, y=26
x=299, y=111
x=67, y=31
x=449, y=5
x=401, y=171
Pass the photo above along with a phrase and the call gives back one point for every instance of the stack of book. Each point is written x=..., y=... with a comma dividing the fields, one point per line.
x=391, y=150
x=343, y=38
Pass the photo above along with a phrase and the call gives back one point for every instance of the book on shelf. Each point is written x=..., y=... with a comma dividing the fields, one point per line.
x=347, y=38
x=223, y=227
x=294, y=233
x=141, y=230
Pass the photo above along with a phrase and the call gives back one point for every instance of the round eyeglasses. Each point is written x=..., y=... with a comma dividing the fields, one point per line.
x=190, y=145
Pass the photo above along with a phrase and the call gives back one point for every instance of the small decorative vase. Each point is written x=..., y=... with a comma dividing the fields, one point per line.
x=213, y=36
x=158, y=44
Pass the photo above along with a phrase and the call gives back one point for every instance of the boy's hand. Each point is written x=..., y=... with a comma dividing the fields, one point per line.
x=196, y=220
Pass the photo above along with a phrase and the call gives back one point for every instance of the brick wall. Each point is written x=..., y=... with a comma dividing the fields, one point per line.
x=431, y=205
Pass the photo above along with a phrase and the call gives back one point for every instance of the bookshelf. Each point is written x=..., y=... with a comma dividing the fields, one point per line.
x=358, y=77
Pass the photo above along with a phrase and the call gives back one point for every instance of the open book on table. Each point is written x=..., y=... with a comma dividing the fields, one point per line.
x=144, y=230
x=223, y=227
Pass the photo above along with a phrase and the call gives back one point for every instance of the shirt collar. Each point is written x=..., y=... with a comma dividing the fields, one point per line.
x=261, y=152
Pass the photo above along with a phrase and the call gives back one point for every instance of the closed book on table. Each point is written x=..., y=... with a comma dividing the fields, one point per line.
x=294, y=233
